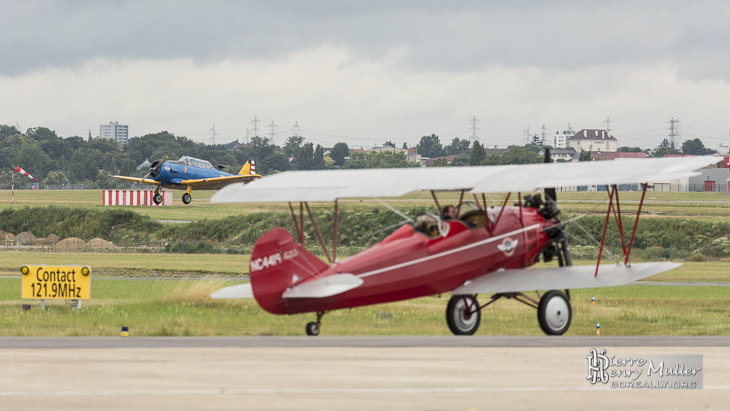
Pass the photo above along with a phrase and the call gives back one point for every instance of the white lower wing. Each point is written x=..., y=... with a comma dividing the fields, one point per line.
x=234, y=291
x=560, y=278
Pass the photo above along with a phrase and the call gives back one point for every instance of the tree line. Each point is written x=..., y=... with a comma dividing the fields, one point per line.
x=75, y=160
x=52, y=159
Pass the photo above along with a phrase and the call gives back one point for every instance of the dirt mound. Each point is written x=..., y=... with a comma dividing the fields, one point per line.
x=71, y=244
x=52, y=239
x=25, y=237
x=99, y=244
x=4, y=235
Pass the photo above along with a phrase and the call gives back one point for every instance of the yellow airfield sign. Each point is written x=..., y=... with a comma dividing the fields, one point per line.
x=60, y=283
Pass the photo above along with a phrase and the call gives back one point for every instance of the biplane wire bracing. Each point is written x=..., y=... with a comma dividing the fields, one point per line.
x=483, y=251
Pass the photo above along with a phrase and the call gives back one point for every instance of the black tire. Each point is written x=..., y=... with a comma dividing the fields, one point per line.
x=459, y=320
x=554, y=313
x=157, y=198
x=187, y=198
x=312, y=329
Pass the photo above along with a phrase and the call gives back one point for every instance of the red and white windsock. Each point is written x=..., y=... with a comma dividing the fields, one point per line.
x=253, y=166
x=21, y=171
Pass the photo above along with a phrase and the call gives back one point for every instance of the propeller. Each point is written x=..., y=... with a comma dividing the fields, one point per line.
x=550, y=193
x=560, y=247
x=155, y=169
x=550, y=207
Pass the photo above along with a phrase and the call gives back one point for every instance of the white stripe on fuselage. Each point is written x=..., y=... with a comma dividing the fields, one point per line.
x=445, y=253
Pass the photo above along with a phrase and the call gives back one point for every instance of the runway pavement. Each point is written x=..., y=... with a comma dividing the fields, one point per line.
x=360, y=341
x=341, y=373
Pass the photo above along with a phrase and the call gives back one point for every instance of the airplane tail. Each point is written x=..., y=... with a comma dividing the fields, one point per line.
x=248, y=168
x=277, y=263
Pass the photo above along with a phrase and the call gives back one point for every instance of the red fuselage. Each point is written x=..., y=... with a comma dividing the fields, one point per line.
x=408, y=264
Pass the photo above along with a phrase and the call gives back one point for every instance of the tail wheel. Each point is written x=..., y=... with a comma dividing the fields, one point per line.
x=157, y=198
x=312, y=328
x=463, y=314
x=554, y=313
x=187, y=198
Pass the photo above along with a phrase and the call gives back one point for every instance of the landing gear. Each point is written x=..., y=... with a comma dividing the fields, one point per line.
x=554, y=313
x=187, y=198
x=157, y=198
x=313, y=327
x=463, y=314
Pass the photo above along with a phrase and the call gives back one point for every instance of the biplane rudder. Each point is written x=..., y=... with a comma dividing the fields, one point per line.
x=248, y=168
x=278, y=262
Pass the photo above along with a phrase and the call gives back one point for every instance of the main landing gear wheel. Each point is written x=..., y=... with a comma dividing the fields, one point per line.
x=312, y=328
x=187, y=198
x=463, y=314
x=554, y=313
x=157, y=198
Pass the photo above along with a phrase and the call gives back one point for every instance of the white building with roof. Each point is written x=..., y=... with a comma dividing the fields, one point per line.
x=594, y=140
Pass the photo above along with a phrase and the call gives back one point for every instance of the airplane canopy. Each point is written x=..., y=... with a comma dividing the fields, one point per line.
x=195, y=162
x=329, y=185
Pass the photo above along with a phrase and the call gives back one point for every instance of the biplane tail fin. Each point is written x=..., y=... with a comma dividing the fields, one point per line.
x=277, y=263
x=248, y=168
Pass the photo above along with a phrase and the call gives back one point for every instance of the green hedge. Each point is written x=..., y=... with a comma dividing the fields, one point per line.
x=677, y=237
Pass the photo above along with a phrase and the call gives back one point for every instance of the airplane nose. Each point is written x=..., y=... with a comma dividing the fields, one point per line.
x=155, y=168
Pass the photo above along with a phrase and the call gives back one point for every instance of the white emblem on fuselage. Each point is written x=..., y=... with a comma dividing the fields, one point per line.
x=265, y=262
x=508, y=246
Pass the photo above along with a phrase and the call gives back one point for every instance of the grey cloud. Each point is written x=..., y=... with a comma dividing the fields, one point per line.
x=453, y=36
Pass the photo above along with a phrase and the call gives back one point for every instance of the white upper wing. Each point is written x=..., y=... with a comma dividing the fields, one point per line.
x=330, y=185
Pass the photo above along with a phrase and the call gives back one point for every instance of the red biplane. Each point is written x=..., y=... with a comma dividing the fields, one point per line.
x=485, y=251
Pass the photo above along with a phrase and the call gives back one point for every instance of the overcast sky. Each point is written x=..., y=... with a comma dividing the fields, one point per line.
x=369, y=71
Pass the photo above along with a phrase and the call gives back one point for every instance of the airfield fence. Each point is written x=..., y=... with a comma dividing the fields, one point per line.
x=709, y=250
x=64, y=186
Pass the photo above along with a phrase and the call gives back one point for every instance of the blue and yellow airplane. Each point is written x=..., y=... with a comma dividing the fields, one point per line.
x=190, y=173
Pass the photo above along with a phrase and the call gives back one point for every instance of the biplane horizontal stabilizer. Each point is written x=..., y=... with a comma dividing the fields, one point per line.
x=324, y=287
x=560, y=278
x=234, y=291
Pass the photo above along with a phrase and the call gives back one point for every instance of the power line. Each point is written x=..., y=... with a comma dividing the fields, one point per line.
x=213, y=135
x=272, y=134
x=473, y=138
x=674, y=133
x=542, y=141
x=255, y=130
x=296, y=130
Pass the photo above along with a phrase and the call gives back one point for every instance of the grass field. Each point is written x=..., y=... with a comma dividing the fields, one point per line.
x=182, y=307
x=158, y=307
x=166, y=307
x=707, y=206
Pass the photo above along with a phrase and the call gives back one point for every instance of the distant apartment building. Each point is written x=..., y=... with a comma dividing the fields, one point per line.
x=115, y=131
x=562, y=139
